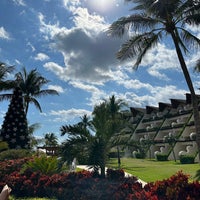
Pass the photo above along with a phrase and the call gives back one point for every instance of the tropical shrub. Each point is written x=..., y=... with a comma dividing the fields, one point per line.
x=187, y=159
x=14, y=154
x=44, y=165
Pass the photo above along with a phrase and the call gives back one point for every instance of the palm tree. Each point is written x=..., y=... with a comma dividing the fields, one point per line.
x=4, y=71
x=33, y=140
x=153, y=20
x=92, y=139
x=108, y=121
x=31, y=84
x=79, y=137
x=51, y=140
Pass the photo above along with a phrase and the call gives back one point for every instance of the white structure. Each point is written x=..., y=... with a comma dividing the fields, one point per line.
x=167, y=120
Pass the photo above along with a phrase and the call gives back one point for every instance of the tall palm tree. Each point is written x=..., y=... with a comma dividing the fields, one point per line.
x=31, y=85
x=4, y=71
x=153, y=20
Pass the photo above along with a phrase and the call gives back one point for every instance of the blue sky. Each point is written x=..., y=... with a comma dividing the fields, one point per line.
x=66, y=41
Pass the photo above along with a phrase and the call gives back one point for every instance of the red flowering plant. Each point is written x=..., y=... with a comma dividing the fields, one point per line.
x=176, y=187
x=115, y=173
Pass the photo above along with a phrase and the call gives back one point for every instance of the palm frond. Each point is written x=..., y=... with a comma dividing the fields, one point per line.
x=46, y=92
x=146, y=45
x=137, y=46
x=197, y=66
x=5, y=97
x=189, y=39
x=35, y=102
x=136, y=22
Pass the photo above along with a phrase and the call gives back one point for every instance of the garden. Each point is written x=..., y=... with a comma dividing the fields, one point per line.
x=41, y=177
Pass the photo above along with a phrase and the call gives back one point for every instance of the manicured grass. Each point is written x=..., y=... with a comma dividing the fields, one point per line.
x=152, y=170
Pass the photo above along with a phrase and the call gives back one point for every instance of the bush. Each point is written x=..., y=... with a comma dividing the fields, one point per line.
x=3, y=146
x=161, y=157
x=186, y=159
x=139, y=155
x=44, y=165
x=14, y=154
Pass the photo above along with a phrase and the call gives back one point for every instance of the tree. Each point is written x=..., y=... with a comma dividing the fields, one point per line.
x=108, y=121
x=152, y=21
x=33, y=140
x=93, y=138
x=15, y=128
x=79, y=139
x=31, y=84
x=51, y=140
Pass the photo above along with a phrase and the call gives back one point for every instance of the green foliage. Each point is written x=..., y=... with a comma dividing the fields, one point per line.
x=45, y=165
x=14, y=154
x=197, y=175
x=161, y=157
x=187, y=159
x=3, y=146
x=114, y=154
x=140, y=155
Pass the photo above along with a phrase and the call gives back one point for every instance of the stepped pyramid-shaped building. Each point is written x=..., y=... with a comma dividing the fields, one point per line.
x=160, y=124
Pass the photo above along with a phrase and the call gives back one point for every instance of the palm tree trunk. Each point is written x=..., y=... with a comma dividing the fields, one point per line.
x=191, y=88
x=103, y=171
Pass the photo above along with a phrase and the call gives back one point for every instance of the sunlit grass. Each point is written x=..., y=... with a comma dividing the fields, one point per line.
x=152, y=170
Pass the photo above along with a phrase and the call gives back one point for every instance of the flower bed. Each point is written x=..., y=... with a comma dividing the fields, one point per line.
x=85, y=186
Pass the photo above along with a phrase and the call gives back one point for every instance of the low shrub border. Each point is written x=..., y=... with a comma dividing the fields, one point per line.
x=187, y=159
x=161, y=157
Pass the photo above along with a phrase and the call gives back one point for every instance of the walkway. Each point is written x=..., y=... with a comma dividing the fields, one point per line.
x=85, y=167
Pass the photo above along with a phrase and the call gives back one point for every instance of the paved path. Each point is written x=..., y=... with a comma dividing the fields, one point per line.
x=86, y=167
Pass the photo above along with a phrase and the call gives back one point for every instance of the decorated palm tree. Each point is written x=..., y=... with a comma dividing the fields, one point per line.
x=15, y=128
x=152, y=21
x=31, y=84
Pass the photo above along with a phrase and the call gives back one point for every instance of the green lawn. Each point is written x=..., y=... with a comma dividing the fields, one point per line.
x=152, y=170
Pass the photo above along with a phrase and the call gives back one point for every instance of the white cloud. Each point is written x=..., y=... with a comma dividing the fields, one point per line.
x=68, y=115
x=19, y=2
x=154, y=96
x=58, y=88
x=41, y=57
x=31, y=46
x=4, y=34
x=160, y=59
